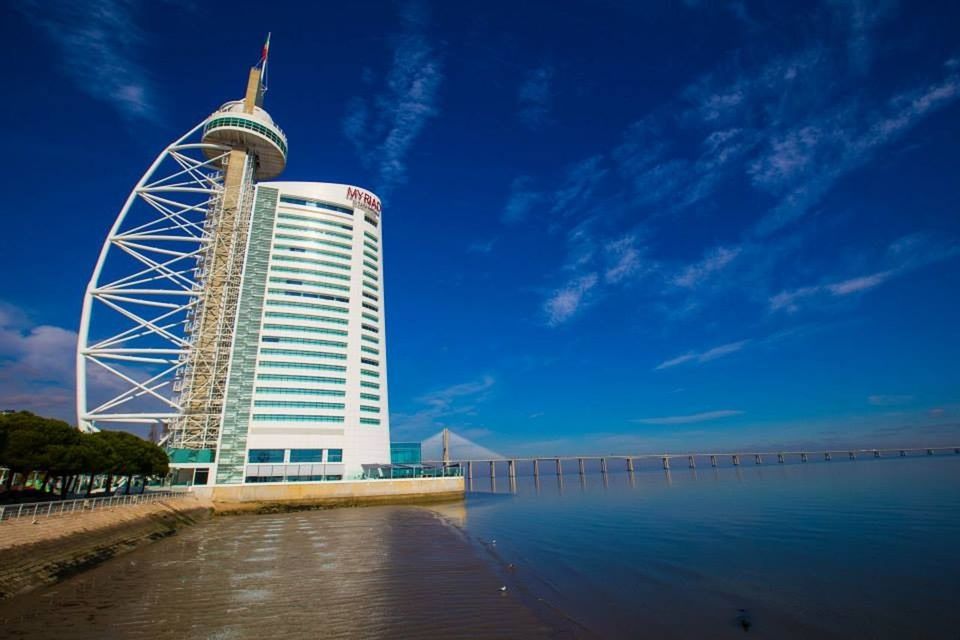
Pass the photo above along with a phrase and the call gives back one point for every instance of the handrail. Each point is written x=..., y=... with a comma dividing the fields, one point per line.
x=79, y=505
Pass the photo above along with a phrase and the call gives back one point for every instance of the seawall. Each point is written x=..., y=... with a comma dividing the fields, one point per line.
x=34, y=555
x=264, y=498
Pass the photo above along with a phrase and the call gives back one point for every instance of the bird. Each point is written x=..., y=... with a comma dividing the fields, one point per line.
x=503, y=588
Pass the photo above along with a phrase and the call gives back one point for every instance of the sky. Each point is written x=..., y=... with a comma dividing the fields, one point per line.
x=608, y=226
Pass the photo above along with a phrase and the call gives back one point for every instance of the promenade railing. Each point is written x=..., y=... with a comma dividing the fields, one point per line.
x=49, y=508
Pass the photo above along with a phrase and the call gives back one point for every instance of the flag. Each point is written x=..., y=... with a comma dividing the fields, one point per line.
x=266, y=50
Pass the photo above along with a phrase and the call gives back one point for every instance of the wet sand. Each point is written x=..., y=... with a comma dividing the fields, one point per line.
x=374, y=572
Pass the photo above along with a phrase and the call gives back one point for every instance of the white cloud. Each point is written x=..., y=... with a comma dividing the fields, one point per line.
x=703, y=356
x=714, y=261
x=384, y=129
x=99, y=42
x=690, y=418
x=565, y=302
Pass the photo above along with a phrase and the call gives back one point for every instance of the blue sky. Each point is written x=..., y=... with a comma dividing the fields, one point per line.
x=608, y=226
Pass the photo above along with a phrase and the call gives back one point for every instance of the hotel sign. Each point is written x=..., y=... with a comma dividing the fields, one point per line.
x=363, y=199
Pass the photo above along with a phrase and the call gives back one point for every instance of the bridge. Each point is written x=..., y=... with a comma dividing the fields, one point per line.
x=631, y=462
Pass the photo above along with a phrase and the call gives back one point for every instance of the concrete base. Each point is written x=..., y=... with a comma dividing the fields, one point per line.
x=320, y=495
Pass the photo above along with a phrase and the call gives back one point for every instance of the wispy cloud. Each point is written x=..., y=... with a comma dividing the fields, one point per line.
x=100, y=44
x=383, y=129
x=902, y=256
x=624, y=260
x=690, y=418
x=481, y=246
x=447, y=407
x=566, y=301
x=703, y=356
x=887, y=400
x=521, y=201
x=535, y=97
x=714, y=261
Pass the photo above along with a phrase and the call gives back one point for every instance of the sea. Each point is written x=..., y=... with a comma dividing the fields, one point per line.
x=865, y=548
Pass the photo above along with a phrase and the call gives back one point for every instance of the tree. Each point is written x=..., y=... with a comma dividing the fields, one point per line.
x=29, y=441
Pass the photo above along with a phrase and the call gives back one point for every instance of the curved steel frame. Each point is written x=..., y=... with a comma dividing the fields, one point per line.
x=144, y=289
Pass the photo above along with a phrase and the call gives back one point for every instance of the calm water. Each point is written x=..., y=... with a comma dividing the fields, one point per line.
x=842, y=549
x=865, y=548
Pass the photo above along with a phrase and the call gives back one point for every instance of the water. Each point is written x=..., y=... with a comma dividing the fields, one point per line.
x=864, y=548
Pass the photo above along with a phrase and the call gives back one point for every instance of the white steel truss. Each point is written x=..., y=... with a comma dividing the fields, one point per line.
x=147, y=286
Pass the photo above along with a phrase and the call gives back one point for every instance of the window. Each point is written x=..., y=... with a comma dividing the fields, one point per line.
x=370, y=396
x=306, y=294
x=310, y=283
x=371, y=306
x=370, y=361
x=312, y=252
x=372, y=374
x=369, y=327
x=314, y=241
x=263, y=479
x=314, y=204
x=289, y=340
x=303, y=353
x=372, y=276
x=296, y=327
x=370, y=236
x=284, y=215
x=279, y=268
x=294, y=391
x=282, y=417
x=293, y=404
x=335, y=455
x=372, y=339
x=372, y=296
x=305, y=305
x=277, y=377
x=305, y=478
x=325, y=263
x=245, y=123
x=306, y=455
x=367, y=349
x=370, y=219
x=369, y=420
x=302, y=365
x=370, y=254
x=264, y=456
x=369, y=265
x=322, y=232
x=371, y=317
x=369, y=409
x=369, y=385
x=302, y=316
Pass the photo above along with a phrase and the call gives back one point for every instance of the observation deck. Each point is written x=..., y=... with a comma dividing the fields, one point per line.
x=255, y=132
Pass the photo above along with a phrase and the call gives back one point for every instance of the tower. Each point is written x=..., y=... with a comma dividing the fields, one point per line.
x=242, y=317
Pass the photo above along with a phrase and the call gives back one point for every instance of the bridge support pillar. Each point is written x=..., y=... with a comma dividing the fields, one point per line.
x=780, y=458
x=713, y=461
x=757, y=459
x=581, y=467
x=666, y=462
x=876, y=453
x=536, y=468
x=512, y=469
x=493, y=469
x=629, y=465
x=736, y=460
x=803, y=457
x=559, y=467
x=957, y=450
x=903, y=454
x=470, y=470
x=826, y=456
x=691, y=462
x=853, y=455
x=603, y=465
x=929, y=452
